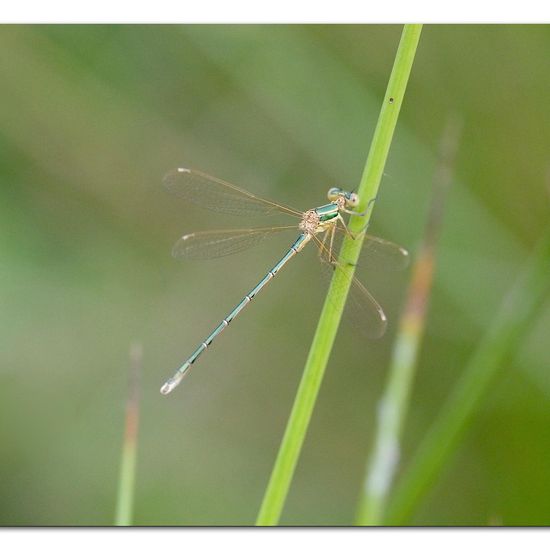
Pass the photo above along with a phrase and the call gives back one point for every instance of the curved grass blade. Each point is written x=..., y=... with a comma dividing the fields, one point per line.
x=323, y=340
x=126, y=482
x=205, y=245
x=218, y=195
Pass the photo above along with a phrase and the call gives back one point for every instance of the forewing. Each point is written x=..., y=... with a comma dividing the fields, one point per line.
x=220, y=196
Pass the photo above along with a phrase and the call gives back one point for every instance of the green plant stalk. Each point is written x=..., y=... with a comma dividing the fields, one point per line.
x=125, y=498
x=393, y=406
x=126, y=483
x=502, y=340
x=331, y=313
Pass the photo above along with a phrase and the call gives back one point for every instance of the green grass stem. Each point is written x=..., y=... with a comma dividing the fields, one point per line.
x=501, y=341
x=329, y=320
x=393, y=406
x=126, y=483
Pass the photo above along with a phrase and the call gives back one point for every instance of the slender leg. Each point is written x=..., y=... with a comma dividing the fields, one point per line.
x=345, y=226
x=322, y=247
x=363, y=213
x=332, y=232
x=349, y=234
x=322, y=244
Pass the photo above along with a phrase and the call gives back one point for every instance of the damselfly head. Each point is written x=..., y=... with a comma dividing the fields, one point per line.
x=351, y=199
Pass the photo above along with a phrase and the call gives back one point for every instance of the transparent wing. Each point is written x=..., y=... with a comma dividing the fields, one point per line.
x=362, y=311
x=378, y=252
x=218, y=195
x=205, y=245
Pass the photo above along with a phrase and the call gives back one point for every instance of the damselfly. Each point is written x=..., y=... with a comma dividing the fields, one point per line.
x=218, y=195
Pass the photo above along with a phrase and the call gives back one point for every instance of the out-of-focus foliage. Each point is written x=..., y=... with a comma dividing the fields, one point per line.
x=91, y=117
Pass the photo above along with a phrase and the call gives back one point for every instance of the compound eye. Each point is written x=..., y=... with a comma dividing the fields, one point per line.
x=334, y=193
x=353, y=200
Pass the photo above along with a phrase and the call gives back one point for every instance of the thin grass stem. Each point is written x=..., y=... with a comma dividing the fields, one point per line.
x=329, y=320
x=126, y=483
x=393, y=406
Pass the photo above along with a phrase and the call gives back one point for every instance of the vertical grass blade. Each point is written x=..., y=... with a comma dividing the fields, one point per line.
x=393, y=406
x=126, y=483
x=502, y=340
x=329, y=320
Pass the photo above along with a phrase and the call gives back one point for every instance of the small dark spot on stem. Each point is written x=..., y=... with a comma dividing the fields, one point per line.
x=391, y=99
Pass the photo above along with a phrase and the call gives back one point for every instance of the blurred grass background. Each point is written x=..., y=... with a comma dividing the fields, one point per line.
x=91, y=117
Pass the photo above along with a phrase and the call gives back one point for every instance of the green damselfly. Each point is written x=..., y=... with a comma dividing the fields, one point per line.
x=220, y=196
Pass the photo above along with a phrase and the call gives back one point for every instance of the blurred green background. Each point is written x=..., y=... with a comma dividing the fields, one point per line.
x=91, y=117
